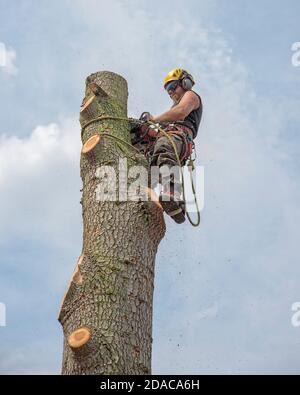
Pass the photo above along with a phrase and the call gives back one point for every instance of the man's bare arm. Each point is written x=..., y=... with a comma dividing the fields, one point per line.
x=188, y=103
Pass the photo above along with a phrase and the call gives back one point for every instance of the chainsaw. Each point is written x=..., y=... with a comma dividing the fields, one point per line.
x=141, y=131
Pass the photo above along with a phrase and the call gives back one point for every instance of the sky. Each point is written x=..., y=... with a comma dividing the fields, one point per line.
x=224, y=291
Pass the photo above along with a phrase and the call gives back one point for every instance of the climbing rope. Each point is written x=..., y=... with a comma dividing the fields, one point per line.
x=106, y=117
x=109, y=135
x=160, y=129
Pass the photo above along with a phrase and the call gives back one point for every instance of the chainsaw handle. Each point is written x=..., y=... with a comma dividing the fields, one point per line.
x=145, y=116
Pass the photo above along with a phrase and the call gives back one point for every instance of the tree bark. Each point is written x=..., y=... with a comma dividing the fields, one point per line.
x=106, y=313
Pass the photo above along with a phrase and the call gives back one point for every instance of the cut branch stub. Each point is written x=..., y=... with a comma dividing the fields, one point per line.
x=91, y=143
x=89, y=107
x=97, y=90
x=79, y=337
x=76, y=278
x=86, y=103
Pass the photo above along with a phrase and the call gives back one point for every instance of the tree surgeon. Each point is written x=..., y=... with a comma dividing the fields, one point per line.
x=181, y=123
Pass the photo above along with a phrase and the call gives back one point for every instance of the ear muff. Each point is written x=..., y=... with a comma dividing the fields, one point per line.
x=187, y=84
x=187, y=81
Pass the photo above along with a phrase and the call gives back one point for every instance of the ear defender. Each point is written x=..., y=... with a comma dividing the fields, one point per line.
x=187, y=81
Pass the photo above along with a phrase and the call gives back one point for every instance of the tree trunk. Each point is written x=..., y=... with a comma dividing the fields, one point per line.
x=106, y=313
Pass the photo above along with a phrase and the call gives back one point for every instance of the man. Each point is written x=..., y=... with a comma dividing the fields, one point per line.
x=181, y=123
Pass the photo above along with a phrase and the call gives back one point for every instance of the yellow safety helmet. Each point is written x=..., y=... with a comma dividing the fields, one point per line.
x=185, y=78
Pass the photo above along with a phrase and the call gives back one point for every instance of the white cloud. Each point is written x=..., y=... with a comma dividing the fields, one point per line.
x=7, y=60
x=39, y=177
x=19, y=156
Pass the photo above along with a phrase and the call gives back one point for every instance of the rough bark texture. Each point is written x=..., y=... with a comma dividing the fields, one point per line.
x=108, y=304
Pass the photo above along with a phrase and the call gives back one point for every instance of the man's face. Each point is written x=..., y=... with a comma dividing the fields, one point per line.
x=176, y=92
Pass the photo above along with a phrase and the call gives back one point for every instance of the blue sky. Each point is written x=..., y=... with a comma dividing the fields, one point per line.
x=223, y=292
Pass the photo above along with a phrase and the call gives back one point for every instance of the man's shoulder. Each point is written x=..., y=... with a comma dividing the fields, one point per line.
x=197, y=95
x=194, y=97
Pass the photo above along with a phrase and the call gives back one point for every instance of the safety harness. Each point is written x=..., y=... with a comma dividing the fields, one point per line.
x=150, y=132
x=146, y=135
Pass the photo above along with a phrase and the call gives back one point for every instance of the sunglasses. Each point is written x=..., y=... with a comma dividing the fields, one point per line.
x=171, y=86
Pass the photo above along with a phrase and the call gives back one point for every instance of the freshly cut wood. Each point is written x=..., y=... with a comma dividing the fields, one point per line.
x=91, y=143
x=79, y=337
x=86, y=103
x=76, y=278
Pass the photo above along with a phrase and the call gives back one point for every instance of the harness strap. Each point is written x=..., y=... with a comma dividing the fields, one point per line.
x=175, y=212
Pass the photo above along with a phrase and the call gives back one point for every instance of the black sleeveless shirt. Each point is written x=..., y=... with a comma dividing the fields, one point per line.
x=193, y=120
